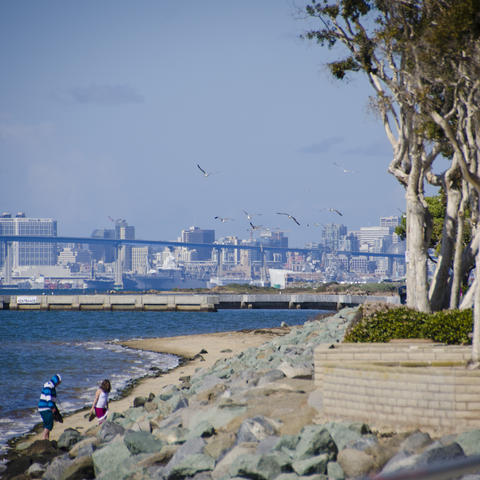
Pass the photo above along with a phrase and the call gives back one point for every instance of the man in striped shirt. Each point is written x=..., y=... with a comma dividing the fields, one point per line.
x=47, y=405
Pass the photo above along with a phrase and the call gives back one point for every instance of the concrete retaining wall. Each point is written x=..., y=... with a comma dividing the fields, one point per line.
x=399, y=386
x=114, y=302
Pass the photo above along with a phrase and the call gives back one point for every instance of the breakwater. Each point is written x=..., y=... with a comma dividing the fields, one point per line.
x=190, y=302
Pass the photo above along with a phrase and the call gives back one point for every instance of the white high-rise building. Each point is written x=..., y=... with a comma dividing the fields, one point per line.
x=28, y=253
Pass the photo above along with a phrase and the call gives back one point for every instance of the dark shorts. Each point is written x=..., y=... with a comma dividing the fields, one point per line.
x=47, y=417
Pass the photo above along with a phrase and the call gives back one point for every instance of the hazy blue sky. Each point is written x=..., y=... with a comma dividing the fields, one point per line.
x=106, y=107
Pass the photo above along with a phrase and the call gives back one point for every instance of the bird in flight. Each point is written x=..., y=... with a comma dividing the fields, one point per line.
x=344, y=170
x=255, y=227
x=250, y=215
x=291, y=217
x=334, y=210
x=223, y=219
x=204, y=172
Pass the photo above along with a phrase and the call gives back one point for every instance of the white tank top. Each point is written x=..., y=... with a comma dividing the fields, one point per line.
x=102, y=400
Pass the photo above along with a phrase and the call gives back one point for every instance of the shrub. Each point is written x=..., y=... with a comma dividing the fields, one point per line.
x=449, y=326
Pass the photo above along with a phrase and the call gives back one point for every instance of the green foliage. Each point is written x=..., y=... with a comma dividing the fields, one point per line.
x=448, y=326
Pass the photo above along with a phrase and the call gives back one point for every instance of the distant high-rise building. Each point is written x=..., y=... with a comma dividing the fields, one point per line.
x=29, y=253
x=123, y=231
x=198, y=235
x=104, y=253
x=332, y=236
x=390, y=222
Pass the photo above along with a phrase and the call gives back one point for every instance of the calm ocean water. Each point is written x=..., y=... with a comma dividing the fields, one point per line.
x=34, y=345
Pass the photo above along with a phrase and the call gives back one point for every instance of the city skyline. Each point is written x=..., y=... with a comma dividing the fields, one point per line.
x=98, y=124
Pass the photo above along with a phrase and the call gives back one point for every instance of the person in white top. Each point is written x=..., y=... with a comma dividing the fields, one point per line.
x=100, y=403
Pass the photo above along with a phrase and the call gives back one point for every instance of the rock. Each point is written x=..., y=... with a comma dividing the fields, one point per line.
x=109, y=430
x=192, y=465
x=258, y=467
x=36, y=470
x=203, y=429
x=57, y=467
x=189, y=448
x=416, y=442
x=335, y=471
x=68, y=438
x=159, y=458
x=355, y=463
x=314, y=440
x=291, y=371
x=222, y=468
x=81, y=468
x=270, y=376
x=440, y=454
x=308, y=466
x=255, y=429
x=219, y=444
x=470, y=442
x=139, y=402
x=345, y=434
x=83, y=446
x=267, y=445
x=111, y=457
x=141, y=442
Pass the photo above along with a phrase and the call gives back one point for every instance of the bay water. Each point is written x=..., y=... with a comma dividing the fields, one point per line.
x=81, y=346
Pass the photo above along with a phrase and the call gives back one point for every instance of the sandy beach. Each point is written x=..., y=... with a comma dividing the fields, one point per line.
x=217, y=345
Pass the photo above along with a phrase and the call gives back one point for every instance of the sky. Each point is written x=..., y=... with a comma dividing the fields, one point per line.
x=107, y=107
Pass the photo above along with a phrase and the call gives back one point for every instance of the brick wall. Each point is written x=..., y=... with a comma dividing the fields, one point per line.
x=399, y=386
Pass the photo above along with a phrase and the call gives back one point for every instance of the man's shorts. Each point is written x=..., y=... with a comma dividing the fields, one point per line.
x=47, y=417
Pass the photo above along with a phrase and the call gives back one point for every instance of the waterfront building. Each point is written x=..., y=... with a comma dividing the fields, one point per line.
x=124, y=231
x=103, y=253
x=140, y=263
x=28, y=253
x=332, y=236
x=199, y=235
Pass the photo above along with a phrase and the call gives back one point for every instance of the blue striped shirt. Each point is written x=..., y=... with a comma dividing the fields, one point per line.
x=48, y=397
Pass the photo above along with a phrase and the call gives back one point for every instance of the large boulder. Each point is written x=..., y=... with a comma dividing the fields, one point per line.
x=68, y=438
x=141, y=442
x=256, y=429
x=258, y=467
x=314, y=440
x=191, y=466
x=355, y=463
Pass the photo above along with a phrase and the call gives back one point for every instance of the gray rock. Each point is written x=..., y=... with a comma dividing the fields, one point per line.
x=68, y=438
x=139, y=401
x=355, y=463
x=191, y=447
x=56, y=468
x=270, y=376
x=345, y=434
x=402, y=460
x=191, y=466
x=267, y=445
x=109, y=430
x=287, y=476
x=335, y=471
x=440, y=454
x=36, y=470
x=81, y=468
x=309, y=466
x=141, y=442
x=84, y=447
x=202, y=429
x=223, y=466
x=255, y=429
x=415, y=442
x=111, y=457
x=258, y=467
x=314, y=440
x=470, y=442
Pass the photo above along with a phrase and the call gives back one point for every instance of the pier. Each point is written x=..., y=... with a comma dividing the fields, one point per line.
x=189, y=302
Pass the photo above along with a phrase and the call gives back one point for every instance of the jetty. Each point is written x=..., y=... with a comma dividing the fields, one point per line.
x=190, y=301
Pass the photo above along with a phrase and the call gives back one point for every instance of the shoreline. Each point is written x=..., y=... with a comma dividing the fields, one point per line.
x=194, y=351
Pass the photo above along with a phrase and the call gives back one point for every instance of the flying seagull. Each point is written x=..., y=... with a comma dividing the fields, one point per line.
x=223, y=219
x=255, y=227
x=291, y=217
x=334, y=210
x=204, y=172
x=250, y=215
x=344, y=170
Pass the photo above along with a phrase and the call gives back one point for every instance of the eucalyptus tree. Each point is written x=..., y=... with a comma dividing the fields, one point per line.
x=396, y=44
x=372, y=38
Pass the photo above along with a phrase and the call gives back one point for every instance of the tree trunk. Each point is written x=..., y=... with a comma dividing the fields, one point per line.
x=438, y=294
x=416, y=277
x=476, y=315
